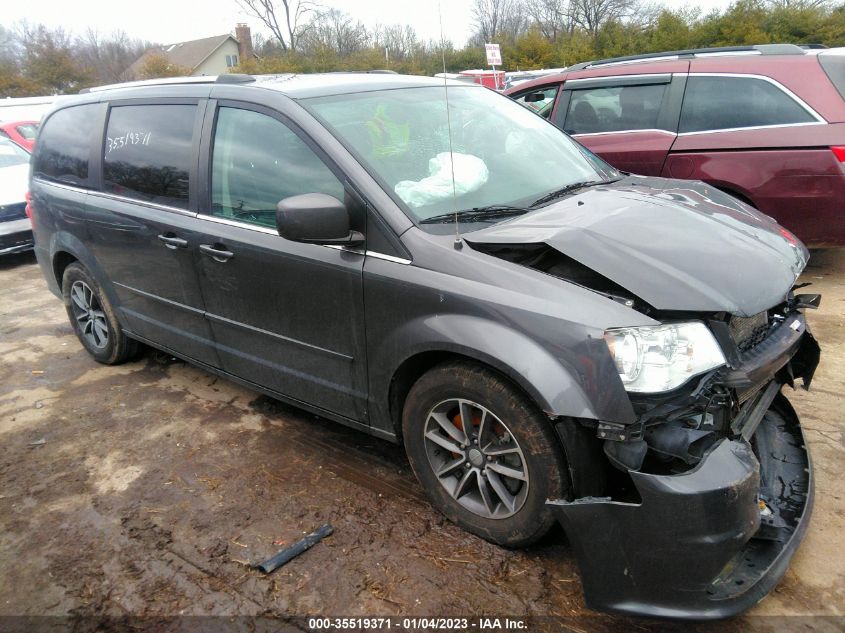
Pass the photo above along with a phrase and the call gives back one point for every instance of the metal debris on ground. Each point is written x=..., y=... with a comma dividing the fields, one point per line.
x=289, y=553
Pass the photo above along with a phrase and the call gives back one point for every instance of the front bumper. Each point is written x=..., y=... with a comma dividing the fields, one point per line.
x=694, y=548
x=15, y=236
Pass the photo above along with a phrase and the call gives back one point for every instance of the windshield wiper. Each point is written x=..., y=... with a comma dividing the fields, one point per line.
x=575, y=186
x=489, y=212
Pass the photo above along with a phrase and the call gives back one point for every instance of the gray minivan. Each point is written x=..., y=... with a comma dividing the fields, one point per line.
x=551, y=339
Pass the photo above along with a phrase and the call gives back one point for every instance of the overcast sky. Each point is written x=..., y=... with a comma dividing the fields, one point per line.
x=168, y=21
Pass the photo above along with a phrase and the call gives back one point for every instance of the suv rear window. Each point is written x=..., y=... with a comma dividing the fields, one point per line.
x=148, y=152
x=64, y=145
x=721, y=103
x=834, y=68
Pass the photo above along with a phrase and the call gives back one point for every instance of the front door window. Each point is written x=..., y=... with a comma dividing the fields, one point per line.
x=259, y=161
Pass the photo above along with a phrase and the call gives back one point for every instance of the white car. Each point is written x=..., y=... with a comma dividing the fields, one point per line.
x=15, y=227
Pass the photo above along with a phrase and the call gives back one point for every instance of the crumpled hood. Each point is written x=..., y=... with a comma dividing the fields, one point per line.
x=678, y=245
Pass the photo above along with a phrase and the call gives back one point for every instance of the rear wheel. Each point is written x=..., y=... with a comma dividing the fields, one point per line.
x=487, y=457
x=93, y=319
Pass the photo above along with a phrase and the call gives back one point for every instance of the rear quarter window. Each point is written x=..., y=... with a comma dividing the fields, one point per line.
x=64, y=145
x=721, y=103
x=834, y=68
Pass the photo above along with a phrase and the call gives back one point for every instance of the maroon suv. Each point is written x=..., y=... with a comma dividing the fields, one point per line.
x=763, y=123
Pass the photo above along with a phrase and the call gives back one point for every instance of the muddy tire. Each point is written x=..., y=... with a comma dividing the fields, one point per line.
x=492, y=476
x=93, y=319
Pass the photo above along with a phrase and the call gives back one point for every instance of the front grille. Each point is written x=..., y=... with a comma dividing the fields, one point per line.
x=748, y=332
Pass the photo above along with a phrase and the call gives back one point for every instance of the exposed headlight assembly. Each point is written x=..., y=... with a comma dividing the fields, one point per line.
x=659, y=358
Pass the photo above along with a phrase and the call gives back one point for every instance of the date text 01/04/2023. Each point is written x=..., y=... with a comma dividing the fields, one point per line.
x=415, y=624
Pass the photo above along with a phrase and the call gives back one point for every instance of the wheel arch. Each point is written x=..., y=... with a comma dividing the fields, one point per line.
x=552, y=384
x=415, y=367
x=65, y=249
x=60, y=261
x=737, y=193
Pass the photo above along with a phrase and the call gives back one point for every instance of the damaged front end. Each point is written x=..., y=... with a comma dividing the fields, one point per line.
x=710, y=490
x=691, y=493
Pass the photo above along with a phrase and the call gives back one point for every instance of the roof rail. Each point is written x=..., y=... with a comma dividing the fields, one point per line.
x=812, y=47
x=232, y=78
x=759, y=49
x=375, y=71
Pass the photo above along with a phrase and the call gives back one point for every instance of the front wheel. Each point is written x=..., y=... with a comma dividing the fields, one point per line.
x=487, y=457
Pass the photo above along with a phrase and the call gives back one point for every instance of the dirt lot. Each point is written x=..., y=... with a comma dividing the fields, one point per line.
x=145, y=489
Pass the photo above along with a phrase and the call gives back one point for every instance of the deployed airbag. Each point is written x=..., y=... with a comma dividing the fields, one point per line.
x=470, y=174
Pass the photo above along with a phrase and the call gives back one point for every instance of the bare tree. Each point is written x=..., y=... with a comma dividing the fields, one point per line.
x=646, y=13
x=288, y=22
x=552, y=17
x=337, y=31
x=592, y=14
x=498, y=18
x=400, y=41
x=108, y=58
x=799, y=4
x=9, y=46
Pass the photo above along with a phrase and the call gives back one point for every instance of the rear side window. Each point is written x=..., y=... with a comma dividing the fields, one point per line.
x=834, y=68
x=64, y=145
x=147, y=153
x=615, y=109
x=259, y=161
x=721, y=103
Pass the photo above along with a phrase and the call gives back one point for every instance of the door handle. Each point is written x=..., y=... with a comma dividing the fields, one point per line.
x=172, y=242
x=217, y=252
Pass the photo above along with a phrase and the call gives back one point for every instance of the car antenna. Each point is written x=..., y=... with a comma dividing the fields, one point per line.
x=458, y=242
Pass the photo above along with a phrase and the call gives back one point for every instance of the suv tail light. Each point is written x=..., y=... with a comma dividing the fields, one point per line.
x=839, y=152
x=28, y=208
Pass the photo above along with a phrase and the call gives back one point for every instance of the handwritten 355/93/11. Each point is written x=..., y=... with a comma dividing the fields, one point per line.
x=130, y=138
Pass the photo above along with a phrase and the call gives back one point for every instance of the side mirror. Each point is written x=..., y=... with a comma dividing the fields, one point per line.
x=535, y=97
x=316, y=218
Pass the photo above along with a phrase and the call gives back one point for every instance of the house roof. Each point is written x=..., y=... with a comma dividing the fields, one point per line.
x=188, y=54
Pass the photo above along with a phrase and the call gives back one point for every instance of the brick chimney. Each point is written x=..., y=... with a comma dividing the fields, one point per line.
x=244, y=37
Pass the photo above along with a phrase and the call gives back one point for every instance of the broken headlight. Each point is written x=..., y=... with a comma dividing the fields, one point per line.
x=659, y=358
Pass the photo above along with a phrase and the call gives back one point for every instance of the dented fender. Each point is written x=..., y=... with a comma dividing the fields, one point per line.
x=552, y=382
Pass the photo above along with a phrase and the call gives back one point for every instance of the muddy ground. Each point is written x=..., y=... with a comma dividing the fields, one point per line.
x=145, y=490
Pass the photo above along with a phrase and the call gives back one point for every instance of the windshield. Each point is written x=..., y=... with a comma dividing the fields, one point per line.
x=11, y=154
x=503, y=154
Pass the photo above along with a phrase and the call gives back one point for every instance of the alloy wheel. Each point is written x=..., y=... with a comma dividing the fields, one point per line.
x=476, y=458
x=89, y=314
